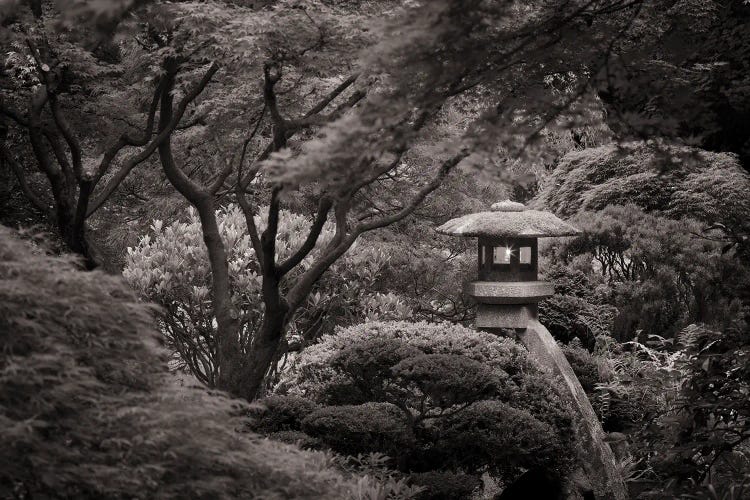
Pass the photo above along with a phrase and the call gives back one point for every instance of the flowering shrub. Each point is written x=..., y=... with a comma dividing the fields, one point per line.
x=433, y=397
x=170, y=267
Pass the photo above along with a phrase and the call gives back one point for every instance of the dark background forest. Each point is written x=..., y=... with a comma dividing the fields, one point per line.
x=220, y=276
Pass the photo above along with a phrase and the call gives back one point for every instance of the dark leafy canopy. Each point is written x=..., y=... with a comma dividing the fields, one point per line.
x=682, y=72
x=676, y=181
x=435, y=398
x=87, y=409
x=658, y=221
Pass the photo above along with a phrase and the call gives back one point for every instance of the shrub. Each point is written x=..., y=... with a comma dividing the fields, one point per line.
x=357, y=429
x=584, y=366
x=313, y=374
x=281, y=413
x=88, y=411
x=494, y=434
x=445, y=485
x=434, y=397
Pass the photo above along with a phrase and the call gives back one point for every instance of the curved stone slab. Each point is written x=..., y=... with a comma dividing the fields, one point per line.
x=601, y=468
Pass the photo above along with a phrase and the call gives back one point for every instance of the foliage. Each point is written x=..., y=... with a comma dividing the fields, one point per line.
x=87, y=409
x=677, y=182
x=584, y=365
x=705, y=434
x=445, y=485
x=170, y=267
x=283, y=413
x=659, y=273
x=579, y=309
x=652, y=175
x=682, y=74
x=436, y=398
x=370, y=427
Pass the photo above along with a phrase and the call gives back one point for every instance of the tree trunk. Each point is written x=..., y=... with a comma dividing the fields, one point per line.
x=228, y=324
x=262, y=353
x=75, y=236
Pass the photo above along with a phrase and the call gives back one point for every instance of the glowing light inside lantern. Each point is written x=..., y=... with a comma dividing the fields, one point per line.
x=501, y=255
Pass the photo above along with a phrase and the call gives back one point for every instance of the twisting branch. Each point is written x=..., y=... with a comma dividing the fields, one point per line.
x=271, y=76
x=428, y=188
x=65, y=129
x=128, y=140
x=29, y=193
x=268, y=237
x=168, y=122
x=321, y=216
x=293, y=126
x=249, y=213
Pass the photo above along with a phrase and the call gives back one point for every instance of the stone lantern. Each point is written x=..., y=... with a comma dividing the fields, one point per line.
x=507, y=292
x=507, y=289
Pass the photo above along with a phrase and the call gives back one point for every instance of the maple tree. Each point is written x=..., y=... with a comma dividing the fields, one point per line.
x=364, y=161
x=356, y=112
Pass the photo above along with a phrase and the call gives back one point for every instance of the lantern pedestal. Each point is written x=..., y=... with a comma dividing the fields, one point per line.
x=508, y=304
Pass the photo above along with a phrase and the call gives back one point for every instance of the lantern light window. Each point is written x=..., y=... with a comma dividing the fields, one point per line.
x=502, y=255
x=524, y=255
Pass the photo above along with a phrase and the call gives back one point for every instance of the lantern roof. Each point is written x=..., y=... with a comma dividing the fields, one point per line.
x=508, y=219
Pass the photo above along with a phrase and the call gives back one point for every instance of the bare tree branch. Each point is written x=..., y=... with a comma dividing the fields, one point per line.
x=29, y=193
x=324, y=205
x=428, y=188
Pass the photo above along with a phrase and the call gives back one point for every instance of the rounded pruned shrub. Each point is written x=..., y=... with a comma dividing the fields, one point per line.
x=435, y=398
x=281, y=413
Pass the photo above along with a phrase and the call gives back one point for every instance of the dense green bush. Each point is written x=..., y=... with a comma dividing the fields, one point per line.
x=579, y=309
x=87, y=409
x=585, y=367
x=644, y=272
x=436, y=398
x=282, y=413
x=354, y=429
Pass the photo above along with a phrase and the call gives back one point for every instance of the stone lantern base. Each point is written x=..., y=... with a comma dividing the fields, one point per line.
x=493, y=316
x=509, y=304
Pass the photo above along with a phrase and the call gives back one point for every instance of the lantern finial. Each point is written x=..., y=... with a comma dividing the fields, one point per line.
x=507, y=206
